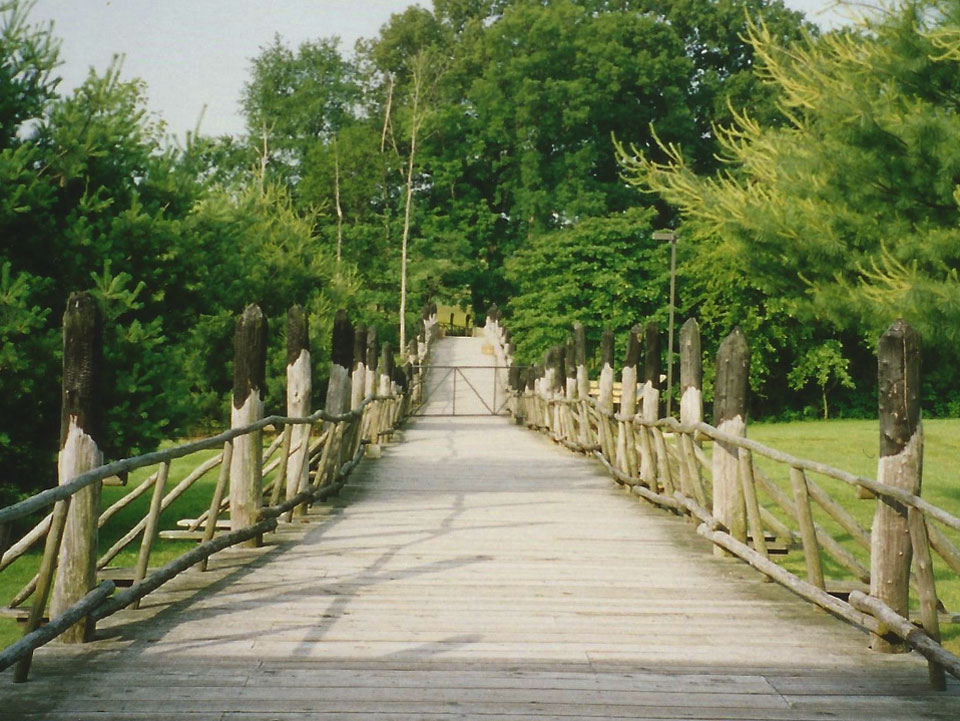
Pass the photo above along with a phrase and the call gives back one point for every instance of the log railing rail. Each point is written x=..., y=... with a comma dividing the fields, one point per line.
x=735, y=504
x=350, y=423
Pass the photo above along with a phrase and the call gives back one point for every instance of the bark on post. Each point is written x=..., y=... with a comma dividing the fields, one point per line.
x=605, y=396
x=358, y=378
x=691, y=407
x=530, y=397
x=80, y=427
x=651, y=403
x=626, y=441
x=249, y=370
x=901, y=456
x=570, y=389
x=299, y=393
x=386, y=387
x=730, y=414
x=552, y=373
x=370, y=385
x=583, y=384
x=341, y=360
x=691, y=398
x=516, y=380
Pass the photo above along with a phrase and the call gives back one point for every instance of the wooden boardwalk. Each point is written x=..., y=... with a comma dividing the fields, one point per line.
x=476, y=571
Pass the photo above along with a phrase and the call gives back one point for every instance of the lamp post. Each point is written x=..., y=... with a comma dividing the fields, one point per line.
x=671, y=237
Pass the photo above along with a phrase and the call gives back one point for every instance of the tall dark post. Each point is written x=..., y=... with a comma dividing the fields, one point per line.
x=730, y=416
x=370, y=388
x=341, y=359
x=691, y=399
x=80, y=429
x=249, y=372
x=626, y=445
x=299, y=396
x=900, y=464
x=358, y=375
x=651, y=403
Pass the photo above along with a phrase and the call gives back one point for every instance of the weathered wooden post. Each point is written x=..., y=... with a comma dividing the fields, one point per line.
x=730, y=414
x=249, y=372
x=341, y=359
x=558, y=390
x=691, y=408
x=549, y=382
x=569, y=390
x=370, y=390
x=691, y=397
x=516, y=390
x=583, y=384
x=386, y=388
x=901, y=457
x=338, y=390
x=358, y=379
x=299, y=393
x=650, y=410
x=370, y=386
x=626, y=440
x=530, y=397
x=605, y=396
x=80, y=427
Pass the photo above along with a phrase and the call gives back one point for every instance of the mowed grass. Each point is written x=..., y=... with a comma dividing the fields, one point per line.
x=853, y=446
x=194, y=502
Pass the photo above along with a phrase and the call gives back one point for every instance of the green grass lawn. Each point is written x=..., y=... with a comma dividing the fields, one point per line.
x=854, y=446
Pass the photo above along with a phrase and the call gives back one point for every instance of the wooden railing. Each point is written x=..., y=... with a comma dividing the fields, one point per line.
x=367, y=398
x=739, y=508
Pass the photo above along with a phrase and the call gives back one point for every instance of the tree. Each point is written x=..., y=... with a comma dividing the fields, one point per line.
x=846, y=218
x=602, y=272
x=825, y=365
x=294, y=100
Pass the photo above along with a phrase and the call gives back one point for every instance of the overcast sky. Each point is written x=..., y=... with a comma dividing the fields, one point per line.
x=196, y=53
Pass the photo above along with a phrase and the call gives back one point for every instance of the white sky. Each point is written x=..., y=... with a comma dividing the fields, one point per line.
x=196, y=53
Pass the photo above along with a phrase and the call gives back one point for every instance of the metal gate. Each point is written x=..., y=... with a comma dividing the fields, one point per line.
x=464, y=391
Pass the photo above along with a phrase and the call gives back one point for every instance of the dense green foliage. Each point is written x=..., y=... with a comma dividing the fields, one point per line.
x=812, y=179
x=822, y=231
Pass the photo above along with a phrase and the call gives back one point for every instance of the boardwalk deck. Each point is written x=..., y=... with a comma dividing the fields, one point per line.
x=476, y=572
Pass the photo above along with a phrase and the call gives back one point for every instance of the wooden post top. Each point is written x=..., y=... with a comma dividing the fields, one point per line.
x=297, y=333
x=514, y=378
x=570, y=358
x=690, y=356
x=559, y=364
x=580, y=343
x=372, y=348
x=606, y=348
x=733, y=367
x=82, y=361
x=341, y=351
x=386, y=360
x=651, y=354
x=249, y=354
x=359, y=344
x=633, y=347
x=898, y=367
